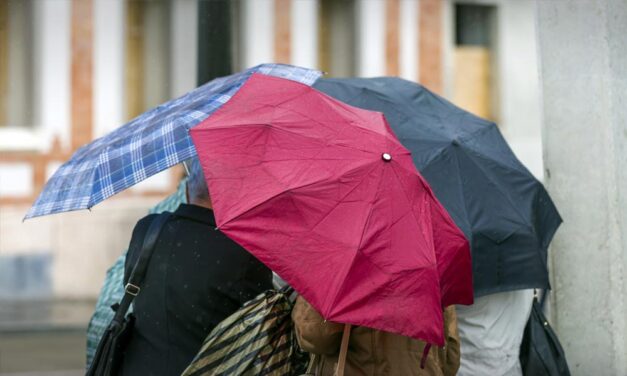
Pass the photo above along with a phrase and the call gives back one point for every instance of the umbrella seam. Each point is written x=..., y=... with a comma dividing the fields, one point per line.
x=307, y=90
x=337, y=292
x=435, y=156
x=284, y=130
x=463, y=198
x=348, y=193
x=356, y=185
x=492, y=126
x=340, y=200
x=411, y=201
x=351, y=106
x=289, y=190
x=506, y=166
x=345, y=106
x=507, y=197
x=412, y=107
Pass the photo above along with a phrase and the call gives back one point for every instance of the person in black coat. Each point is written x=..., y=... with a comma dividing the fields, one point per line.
x=196, y=278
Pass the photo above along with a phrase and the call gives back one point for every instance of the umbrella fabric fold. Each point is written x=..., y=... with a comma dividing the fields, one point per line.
x=154, y=141
x=505, y=212
x=326, y=196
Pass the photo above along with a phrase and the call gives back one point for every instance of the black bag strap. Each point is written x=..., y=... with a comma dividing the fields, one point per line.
x=543, y=298
x=133, y=286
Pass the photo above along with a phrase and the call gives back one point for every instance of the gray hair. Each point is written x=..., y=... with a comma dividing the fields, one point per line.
x=196, y=183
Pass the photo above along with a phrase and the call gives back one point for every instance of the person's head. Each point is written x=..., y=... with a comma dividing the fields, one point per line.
x=197, y=191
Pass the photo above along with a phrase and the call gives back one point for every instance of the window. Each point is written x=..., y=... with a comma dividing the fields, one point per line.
x=15, y=63
x=475, y=73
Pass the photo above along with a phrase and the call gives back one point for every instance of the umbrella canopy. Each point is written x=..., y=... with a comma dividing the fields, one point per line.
x=325, y=195
x=502, y=209
x=154, y=141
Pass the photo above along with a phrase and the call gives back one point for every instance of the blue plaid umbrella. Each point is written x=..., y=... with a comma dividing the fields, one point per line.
x=149, y=144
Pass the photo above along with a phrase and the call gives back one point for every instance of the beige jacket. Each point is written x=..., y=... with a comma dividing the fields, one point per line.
x=372, y=352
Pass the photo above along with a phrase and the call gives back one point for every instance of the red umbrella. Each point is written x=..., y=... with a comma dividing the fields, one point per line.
x=326, y=196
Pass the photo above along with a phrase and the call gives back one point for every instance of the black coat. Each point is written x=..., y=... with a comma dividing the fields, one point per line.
x=197, y=277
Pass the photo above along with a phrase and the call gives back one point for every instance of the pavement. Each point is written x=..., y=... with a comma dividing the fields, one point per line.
x=43, y=337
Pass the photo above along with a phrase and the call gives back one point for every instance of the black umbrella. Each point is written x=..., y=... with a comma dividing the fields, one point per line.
x=505, y=212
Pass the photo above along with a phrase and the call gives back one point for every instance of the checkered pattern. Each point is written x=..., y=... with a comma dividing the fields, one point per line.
x=149, y=144
x=113, y=287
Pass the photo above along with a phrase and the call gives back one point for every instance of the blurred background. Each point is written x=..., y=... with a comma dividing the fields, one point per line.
x=73, y=70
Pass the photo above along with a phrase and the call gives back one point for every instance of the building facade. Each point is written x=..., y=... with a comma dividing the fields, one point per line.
x=73, y=70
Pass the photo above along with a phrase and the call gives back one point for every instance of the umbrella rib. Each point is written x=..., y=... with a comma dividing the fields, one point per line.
x=435, y=255
x=361, y=238
x=434, y=157
x=323, y=145
x=288, y=191
x=383, y=97
x=408, y=105
x=507, y=197
x=264, y=201
x=374, y=165
x=290, y=99
x=343, y=197
x=411, y=202
x=488, y=127
x=460, y=189
x=519, y=167
x=461, y=194
x=349, y=108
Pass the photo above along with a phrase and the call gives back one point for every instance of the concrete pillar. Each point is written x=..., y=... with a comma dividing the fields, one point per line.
x=108, y=66
x=183, y=47
x=257, y=35
x=517, y=82
x=82, y=47
x=304, y=29
x=282, y=31
x=52, y=70
x=430, y=67
x=370, y=16
x=583, y=64
x=409, y=30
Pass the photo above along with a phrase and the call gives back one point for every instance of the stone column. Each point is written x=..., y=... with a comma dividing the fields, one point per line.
x=82, y=72
x=583, y=65
x=430, y=38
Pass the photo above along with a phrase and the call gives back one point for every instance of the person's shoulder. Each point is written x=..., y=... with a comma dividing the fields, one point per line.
x=147, y=220
x=135, y=245
x=143, y=224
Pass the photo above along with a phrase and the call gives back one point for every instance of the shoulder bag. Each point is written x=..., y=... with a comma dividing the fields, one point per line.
x=108, y=357
x=540, y=351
